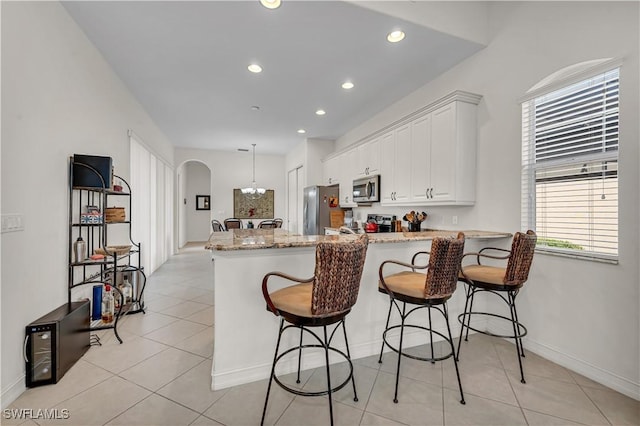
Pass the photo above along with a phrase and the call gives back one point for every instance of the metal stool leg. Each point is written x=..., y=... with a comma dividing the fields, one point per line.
x=326, y=356
x=299, y=356
x=353, y=380
x=385, y=327
x=464, y=317
x=445, y=312
x=473, y=293
x=273, y=370
x=402, y=317
x=433, y=361
x=516, y=333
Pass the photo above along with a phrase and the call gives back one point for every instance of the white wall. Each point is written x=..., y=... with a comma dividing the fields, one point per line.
x=231, y=170
x=59, y=97
x=198, y=182
x=584, y=315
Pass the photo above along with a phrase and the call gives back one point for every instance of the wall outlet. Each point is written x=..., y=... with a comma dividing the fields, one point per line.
x=12, y=223
x=454, y=220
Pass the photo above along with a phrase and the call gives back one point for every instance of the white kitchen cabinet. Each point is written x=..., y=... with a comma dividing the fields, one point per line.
x=368, y=160
x=443, y=165
x=395, y=173
x=426, y=158
x=347, y=174
x=420, y=158
x=330, y=170
x=452, y=155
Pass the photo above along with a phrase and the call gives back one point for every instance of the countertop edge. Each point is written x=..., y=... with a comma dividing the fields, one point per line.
x=284, y=240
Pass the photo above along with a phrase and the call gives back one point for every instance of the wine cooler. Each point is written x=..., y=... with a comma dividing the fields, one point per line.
x=54, y=342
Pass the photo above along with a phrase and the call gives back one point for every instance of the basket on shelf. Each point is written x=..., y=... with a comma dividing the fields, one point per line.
x=115, y=214
x=111, y=250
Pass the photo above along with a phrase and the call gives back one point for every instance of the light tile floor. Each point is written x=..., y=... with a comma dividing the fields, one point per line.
x=160, y=375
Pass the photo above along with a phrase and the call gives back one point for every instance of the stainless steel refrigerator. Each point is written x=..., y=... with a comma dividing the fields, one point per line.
x=319, y=201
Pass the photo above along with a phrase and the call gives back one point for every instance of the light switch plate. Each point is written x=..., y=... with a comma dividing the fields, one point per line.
x=12, y=223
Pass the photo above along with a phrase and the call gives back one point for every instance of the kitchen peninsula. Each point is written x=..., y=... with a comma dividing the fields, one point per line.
x=245, y=332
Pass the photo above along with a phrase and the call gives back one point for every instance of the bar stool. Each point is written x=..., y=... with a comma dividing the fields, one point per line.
x=320, y=301
x=498, y=281
x=430, y=290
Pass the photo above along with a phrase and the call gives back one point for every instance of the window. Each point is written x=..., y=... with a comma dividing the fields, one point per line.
x=570, y=168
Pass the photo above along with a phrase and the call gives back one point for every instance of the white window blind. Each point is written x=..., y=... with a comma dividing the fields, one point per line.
x=152, y=189
x=570, y=168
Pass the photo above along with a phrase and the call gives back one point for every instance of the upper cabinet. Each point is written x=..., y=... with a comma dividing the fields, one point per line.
x=368, y=161
x=347, y=175
x=425, y=158
x=441, y=160
x=330, y=169
x=395, y=176
x=340, y=170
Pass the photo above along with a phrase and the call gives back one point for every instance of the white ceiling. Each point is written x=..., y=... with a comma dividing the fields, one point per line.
x=186, y=63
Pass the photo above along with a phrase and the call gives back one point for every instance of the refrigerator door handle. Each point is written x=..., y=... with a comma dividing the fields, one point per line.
x=24, y=349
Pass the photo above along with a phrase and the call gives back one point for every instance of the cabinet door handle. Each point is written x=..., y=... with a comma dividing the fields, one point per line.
x=430, y=192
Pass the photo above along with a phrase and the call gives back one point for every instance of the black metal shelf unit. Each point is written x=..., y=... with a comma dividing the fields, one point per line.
x=94, y=230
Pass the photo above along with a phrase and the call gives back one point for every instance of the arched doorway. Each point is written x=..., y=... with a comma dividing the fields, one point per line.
x=194, y=202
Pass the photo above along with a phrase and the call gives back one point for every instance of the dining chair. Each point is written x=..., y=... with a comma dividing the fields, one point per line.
x=430, y=290
x=267, y=224
x=232, y=223
x=217, y=226
x=278, y=222
x=499, y=281
x=323, y=300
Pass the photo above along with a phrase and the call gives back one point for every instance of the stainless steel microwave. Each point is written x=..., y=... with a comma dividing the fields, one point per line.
x=366, y=190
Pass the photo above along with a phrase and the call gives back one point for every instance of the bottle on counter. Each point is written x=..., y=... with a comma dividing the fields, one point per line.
x=108, y=305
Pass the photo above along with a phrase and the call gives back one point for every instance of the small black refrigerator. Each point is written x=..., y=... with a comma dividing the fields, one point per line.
x=54, y=342
x=319, y=201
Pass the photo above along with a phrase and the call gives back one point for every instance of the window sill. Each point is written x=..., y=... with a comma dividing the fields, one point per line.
x=593, y=257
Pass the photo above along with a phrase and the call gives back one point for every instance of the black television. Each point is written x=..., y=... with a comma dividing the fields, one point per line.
x=98, y=167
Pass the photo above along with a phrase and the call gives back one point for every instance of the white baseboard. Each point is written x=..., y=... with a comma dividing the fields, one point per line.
x=597, y=374
x=570, y=362
x=13, y=392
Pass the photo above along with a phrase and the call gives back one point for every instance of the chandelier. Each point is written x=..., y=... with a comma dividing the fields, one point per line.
x=253, y=192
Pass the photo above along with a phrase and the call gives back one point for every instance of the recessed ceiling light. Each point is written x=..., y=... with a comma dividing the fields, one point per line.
x=254, y=68
x=395, y=36
x=270, y=4
x=320, y=112
x=347, y=85
x=301, y=131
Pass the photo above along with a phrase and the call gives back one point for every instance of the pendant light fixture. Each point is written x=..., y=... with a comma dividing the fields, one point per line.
x=253, y=192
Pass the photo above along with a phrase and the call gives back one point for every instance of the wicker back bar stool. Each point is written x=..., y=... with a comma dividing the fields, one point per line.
x=499, y=281
x=430, y=290
x=320, y=301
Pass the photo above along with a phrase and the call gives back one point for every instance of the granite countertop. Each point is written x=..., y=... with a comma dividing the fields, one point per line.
x=252, y=239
